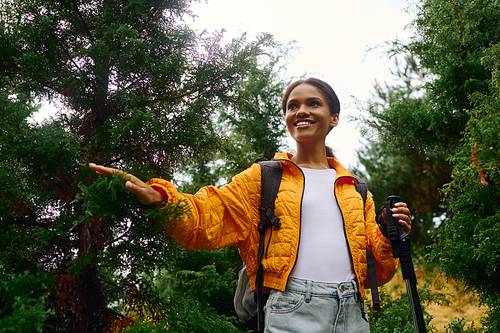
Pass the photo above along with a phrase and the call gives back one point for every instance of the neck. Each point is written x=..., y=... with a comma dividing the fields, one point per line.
x=312, y=157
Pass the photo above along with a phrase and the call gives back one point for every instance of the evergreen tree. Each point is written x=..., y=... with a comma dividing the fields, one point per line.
x=467, y=246
x=403, y=168
x=252, y=127
x=454, y=129
x=139, y=90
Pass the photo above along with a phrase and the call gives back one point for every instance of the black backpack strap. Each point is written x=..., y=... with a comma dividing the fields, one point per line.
x=362, y=189
x=271, y=172
x=372, y=276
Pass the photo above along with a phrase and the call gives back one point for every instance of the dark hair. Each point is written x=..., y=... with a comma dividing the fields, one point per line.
x=325, y=88
x=329, y=152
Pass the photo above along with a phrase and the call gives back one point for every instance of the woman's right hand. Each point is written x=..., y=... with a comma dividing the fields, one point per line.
x=144, y=193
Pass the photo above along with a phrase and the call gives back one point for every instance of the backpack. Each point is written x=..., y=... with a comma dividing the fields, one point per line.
x=249, y=306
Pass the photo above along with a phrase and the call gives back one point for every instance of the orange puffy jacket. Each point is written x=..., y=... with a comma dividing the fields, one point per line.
x=229, y=216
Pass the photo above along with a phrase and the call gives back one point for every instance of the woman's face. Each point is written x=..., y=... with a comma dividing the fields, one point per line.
x=307, y=116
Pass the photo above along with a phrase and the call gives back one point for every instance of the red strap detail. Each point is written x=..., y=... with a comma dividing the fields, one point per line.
x=345, y=180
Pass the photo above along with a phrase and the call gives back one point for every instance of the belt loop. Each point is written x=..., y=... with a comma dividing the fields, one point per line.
x=340, y=290
x=355, y=287
x=308, y=293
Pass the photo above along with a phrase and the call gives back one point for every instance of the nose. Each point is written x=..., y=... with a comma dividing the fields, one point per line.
x=303, y=111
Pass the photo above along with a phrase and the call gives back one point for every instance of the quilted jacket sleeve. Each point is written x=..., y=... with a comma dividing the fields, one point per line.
x=217, y=217
x=380, y=246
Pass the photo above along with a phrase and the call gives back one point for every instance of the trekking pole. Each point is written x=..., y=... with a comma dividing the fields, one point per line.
x=401, y=249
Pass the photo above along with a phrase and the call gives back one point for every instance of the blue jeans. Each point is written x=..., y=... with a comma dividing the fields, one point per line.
x=315, y=307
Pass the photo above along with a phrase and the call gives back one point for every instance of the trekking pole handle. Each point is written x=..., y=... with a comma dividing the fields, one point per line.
x=394, y=229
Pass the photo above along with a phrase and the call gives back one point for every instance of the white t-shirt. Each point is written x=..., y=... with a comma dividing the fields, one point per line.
x=323, y=254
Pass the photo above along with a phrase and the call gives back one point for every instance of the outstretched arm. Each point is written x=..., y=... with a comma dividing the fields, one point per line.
x=144, y=193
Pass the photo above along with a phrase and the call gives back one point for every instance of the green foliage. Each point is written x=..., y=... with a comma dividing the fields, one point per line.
x=139, y=91
x=396, y=315
x=208, y=277
x=186, y=316
x=451, y=38
x=467, y=245
x=447, y=137
x=213, y=286
x=198, y=299
x=252, y=127
x=23, y=297
x=405, y=169
x=458, y=326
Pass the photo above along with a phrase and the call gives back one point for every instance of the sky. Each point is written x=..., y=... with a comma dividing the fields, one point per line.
x=333, y=36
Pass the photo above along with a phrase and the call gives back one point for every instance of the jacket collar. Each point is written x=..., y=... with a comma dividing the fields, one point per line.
x=334, y=164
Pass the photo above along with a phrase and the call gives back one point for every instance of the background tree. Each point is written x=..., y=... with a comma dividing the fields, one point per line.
x=139, y=90
x=252, y=127
x=467, y=245
x=394, y=166
x=450, y=135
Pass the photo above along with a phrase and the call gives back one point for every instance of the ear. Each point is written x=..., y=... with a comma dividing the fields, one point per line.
x=334, y=120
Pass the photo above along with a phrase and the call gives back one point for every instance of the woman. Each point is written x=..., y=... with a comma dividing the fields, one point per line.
x=319, y=285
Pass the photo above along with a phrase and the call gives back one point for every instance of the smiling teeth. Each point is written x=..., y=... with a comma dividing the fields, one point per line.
x=303, y=123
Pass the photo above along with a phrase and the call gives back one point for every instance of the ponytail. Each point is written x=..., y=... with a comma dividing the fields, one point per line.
x=329, y=152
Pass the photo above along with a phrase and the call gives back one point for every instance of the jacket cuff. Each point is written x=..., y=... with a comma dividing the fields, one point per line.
x=383, y=229
x=380, y=233
x=157, y=184
x=382, y=225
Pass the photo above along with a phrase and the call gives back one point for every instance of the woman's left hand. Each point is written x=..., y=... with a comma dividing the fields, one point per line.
x=402, y=213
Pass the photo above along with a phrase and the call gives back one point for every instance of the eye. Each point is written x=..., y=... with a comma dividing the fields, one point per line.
x=315, y=103
x=292, y=106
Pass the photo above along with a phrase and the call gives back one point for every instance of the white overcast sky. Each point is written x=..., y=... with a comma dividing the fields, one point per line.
x=333, y=37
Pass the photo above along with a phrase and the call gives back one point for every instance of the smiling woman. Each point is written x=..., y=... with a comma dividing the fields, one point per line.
x=311, y=111
x=319, y=208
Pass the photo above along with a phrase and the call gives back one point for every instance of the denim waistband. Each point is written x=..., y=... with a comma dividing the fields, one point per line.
x=313, y=288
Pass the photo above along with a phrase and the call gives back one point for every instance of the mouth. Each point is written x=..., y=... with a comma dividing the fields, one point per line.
x=303, y=122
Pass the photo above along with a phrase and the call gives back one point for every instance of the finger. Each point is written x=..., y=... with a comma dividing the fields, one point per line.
x=404, y=217
x=400, y=204
x=105, y=171
x=99, y=169
x=130, y=186
x=135, y=185
x=405, y=225
x=400, y=212
x=402, y=208
x=135, y=188
x=145, y=194
x=404, y=220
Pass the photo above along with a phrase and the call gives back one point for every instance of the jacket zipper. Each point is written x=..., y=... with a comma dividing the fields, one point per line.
x=300, y=217
x=345, y=233
x=300, y=223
